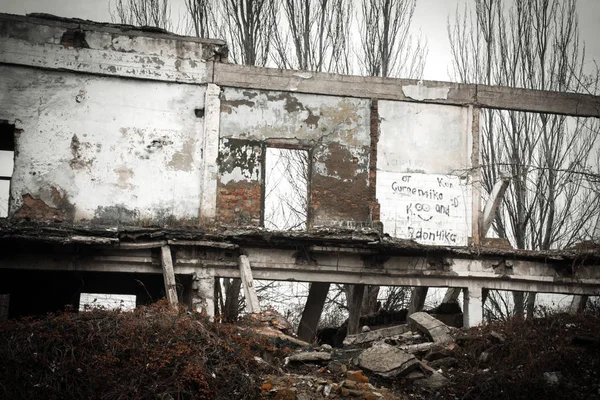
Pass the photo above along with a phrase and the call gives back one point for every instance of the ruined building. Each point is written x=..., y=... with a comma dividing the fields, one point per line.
x=138, y=153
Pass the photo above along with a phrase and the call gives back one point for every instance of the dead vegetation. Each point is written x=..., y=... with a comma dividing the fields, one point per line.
x=153, y=352
x=149, y=353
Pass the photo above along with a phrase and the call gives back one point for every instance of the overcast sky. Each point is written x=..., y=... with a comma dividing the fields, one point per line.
x=430, y=18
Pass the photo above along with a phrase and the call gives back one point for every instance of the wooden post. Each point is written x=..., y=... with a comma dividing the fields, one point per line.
x=356, y=296
x=169, y=275
x=252, y=304
x=317, y=294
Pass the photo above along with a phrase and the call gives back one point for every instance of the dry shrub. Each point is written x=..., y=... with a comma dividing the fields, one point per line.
x=149, y=353
x=515, y=368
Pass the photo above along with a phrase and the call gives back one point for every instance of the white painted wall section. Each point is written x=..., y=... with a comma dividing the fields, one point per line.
x=428, y=208
x=422, y=168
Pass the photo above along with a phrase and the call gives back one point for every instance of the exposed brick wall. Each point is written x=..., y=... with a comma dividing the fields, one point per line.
x=342, y=194
x=239, y=203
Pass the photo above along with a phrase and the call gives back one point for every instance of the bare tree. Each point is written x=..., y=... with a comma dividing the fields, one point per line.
x=387, y=47
x=201, y=17
x=155, y=13
x=532, y=44
x=247, y=26
x=286, y=189
x=314, y=35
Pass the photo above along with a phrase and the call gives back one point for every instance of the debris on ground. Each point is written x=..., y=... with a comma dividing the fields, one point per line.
x=154, y=352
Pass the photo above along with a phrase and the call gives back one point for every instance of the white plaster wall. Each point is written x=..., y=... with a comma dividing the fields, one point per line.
x=424, y=138
x=422, y=164
x=139, y=143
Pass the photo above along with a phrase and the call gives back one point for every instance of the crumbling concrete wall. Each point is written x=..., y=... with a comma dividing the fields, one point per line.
x=116, y=50
x=423, y=165
x=103, y=149
x=335, y=131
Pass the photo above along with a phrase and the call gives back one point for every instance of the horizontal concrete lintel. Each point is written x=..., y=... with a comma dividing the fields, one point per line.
x=457, y=94
x=104, y=63
x=204, y=243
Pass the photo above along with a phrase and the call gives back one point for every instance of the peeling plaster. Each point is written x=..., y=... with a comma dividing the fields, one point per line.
x=128, y=142
x=421, y=92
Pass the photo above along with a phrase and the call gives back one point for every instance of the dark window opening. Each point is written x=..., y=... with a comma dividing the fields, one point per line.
x=7, y=154
x=286, y=189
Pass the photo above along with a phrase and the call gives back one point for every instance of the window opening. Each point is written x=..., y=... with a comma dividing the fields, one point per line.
x=286, y=189
x=7, y=154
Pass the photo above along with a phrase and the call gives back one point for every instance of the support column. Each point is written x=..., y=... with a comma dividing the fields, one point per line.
x=451, y=295
x=169, y=275
x=578, y=304
x=356, y=296
x=417, y=299
x=203, y=287
x=252, y=304
x=317, y=294
x=210, y=152
x=473, y=306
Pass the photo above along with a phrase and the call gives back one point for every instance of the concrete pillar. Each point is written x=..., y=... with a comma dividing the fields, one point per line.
x=578, y=304
x=417, y=299
x=473, y=306
x=317, y=294
x=356, y=296
x=203, y=287
x=451, y=295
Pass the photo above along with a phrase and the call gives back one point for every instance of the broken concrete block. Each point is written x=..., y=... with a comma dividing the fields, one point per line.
x=434, y=328
x=387, y=361
x=336, y=367
x=552, y=378
x=372, y=336
x=434, y=381
x=417, y=348
x=436, y=352
x=310, y=356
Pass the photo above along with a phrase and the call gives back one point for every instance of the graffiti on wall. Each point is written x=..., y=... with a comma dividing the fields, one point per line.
x=428, y=208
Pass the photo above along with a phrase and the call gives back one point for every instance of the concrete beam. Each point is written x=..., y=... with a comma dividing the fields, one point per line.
x=40, y=43
x=492, y=205
x=278, y=264
x=242, y=76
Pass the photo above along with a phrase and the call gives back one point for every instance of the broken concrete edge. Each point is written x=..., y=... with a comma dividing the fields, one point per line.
x=274, y=333
x=86, y=24
x=217, y=236
x=435, y=329
x=310, y=356
x=375, y=335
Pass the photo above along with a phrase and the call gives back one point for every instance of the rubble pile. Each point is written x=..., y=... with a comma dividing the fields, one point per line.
x=155, y=352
